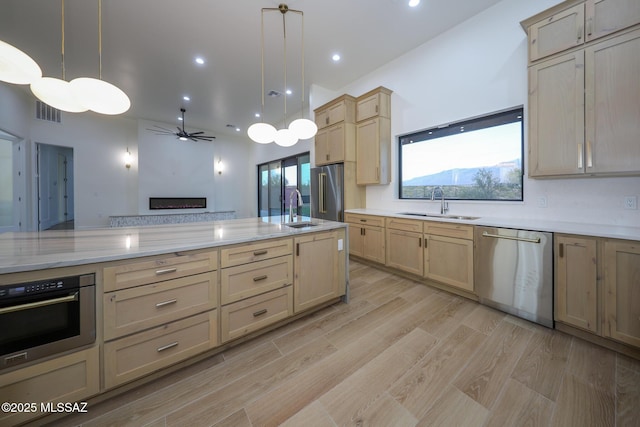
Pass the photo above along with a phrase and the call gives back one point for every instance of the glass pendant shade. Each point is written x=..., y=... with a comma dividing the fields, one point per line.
x=16, y=66
x=303, y=128
x=262, y=133
x=100, y=96
x=57, y=93
x=286, y=138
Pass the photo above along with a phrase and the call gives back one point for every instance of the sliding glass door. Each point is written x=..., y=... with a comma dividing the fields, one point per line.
x=278, y=181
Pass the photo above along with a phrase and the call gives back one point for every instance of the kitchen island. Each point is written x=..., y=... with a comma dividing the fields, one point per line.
x=166, y=296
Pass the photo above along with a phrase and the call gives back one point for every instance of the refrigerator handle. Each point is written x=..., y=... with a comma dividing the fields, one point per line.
x=322, y=193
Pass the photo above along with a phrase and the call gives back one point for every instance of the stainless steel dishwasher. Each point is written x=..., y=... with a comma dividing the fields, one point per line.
x=513, y=272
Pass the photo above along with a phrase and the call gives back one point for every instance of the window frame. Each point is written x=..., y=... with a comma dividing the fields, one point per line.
x=475, y=123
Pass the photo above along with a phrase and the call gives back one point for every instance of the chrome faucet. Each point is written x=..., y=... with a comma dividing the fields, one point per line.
x=300, y=203
x=444, y=206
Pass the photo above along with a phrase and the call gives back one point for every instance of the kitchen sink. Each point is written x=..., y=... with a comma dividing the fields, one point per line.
x=300, y=224
x=464, y=217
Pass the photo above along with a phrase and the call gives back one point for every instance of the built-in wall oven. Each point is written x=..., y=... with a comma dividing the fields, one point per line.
x=46, y=317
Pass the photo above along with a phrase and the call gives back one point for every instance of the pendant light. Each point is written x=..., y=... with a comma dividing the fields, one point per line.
x=264, y=133
x=98, y=95
x=56, y=92
x=16, y=66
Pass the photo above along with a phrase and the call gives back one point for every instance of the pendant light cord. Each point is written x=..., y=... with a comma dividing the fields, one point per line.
x=100, y=39
x=284, y=30
x=62, y=41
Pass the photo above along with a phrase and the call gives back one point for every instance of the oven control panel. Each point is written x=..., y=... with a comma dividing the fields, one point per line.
x=45, y=286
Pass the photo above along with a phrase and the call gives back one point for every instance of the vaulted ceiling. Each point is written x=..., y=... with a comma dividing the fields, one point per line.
x=149, y=48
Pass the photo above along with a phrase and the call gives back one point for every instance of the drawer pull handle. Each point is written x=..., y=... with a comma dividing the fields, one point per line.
x=262, y=252
x=260, y=312
x=167, y=347
x=257, y=279
x=162, y=304
x=166, y=271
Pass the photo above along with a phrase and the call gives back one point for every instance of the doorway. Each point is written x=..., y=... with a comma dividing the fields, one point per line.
x=55, y=187
x=278, y=179
x=12, y=179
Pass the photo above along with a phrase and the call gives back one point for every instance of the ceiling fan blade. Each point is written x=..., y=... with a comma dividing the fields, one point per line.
x=160, y=127
x=195, y=133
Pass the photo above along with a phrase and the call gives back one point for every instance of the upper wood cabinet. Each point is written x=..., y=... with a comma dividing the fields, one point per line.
x=558, y=32
x=373, y=137
x=341, y=109
x=375, y=103
x=335, y=141
x=584, y=105
x=573, y=23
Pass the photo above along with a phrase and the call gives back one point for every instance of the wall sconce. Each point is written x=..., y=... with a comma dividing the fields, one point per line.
x=127, y=159
x=220, y=166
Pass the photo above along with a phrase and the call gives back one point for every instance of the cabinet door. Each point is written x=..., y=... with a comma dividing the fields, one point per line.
x=373, y=244
x=404, y=251
x=322, y=118
x=449, y=261
x=559, y=32
x=322, y=147
x=576, y=282
x=607, y=16
x=622, y=291
x=613, y=105
x=368, y=152
x=556, y=116
x=368, y=107
x=336, y=113
x=356, y=240
x=319, y=270
x=335, y=143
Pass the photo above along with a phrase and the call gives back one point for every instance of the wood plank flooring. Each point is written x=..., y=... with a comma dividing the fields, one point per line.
x=399, y=354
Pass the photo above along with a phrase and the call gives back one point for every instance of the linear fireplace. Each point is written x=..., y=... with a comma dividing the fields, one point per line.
x=177, y=202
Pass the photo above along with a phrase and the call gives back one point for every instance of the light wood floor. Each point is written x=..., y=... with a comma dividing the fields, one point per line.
x=399, y=354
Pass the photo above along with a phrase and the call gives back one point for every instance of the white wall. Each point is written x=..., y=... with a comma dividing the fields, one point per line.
x=476, y=68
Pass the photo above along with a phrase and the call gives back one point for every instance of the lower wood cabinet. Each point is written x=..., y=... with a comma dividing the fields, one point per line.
x=70, y=378
x=404, y=245
x=597, y=286
x=622, y=291
x=576, y=288
x=248, y=315
x=366, y=237
x=319, y=269
x=448, y=254
x=136, y=355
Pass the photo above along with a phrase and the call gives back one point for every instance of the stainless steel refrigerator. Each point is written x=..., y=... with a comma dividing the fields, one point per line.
x=327, y=192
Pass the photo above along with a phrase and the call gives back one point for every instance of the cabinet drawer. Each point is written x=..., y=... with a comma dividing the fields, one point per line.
x=132, y=310
x=459, y=231
x=247, y=280
x=243, y=317
x=158, y=269
x=140, y=354
x=374, y=221
x=70, y=378
x=255, y=252
x=404, y=224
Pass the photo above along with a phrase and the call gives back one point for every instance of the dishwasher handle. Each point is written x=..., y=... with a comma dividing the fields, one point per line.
x=520, y=239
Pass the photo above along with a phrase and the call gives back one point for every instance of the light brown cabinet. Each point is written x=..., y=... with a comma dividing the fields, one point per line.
x=70, y=378
x=373, y=137
x=319, y=266
x=335, y=140
x=448, y=254
x=405, y=245
x=576, y=297
x=583, y=105
x=366, y=237
x=597, y=287
x=622, y=291
x=255, y=286
x=158, y=311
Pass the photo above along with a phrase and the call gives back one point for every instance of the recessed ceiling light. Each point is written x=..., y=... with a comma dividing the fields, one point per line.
x=199, y=60
x=257, y=114
x=180, y=118
x=335, y=57
x=289, y=92
x=237, y=129
x=186, y=98
x=414, y=3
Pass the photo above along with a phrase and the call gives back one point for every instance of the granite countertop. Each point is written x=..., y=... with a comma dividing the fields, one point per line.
x=596, y=230
x=25, y=251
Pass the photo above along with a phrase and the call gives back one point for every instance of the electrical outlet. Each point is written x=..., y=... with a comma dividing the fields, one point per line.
x=631, y=202
x=542, y=201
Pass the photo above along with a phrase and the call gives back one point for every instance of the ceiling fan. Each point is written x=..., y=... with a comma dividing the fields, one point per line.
x=182, y=134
